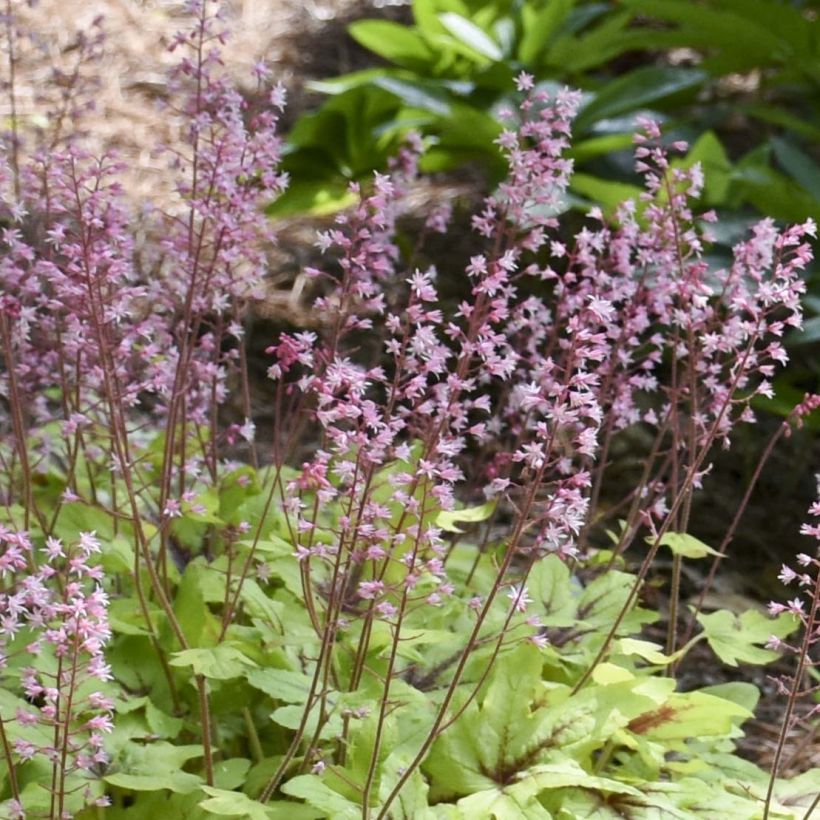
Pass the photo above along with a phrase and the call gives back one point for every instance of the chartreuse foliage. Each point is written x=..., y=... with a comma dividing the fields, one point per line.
x=524, y=741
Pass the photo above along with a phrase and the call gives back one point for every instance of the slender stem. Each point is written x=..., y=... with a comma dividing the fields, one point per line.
x=205, y=717
x=72, y=685
x=15, y=137
x=802, y=662
x=391, y=664
x=257, y=753
x=810, y=811
x=12, y=769
x=677, y=503
x=730, y=533
x=674, y=598
x=18, y=423
x=439, y=720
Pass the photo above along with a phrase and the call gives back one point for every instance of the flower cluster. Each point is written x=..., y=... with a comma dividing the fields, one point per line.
x=53, y=632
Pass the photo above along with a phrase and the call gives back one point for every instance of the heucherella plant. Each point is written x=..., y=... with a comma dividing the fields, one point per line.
x=411, y=595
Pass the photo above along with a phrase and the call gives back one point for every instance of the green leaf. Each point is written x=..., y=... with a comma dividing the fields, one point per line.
x=230, y=774
x=338, y=85
x=291, y=718
x=156, y=766
x=607, y=193
x=571, y=54
x=288, y=810
x=740, y=638
x=162, y=724
x=771, y=192
x=233, y=804
x=688, y=715
x=313, y=197
x=397, y=43
x=779, y=116
x=741, y=41
x=414, y=94
x=799, y=166
x=710, y=153
x=234, y=488
x=199, y=624
x=463, y=758
x=685, y=545
x=76, y=517
x=221, y=662
x=809, y=334
x=312, y=790
x=644, y=649
x=550, y=584
x=281, y=684
x=126, y=619
x=742, y=693
x=568, y=773
x=636, y=90
x=602, y=600
x=448, y=519
x=585, y=150
x=501, y=805
x=539, y=27
x=467, y=32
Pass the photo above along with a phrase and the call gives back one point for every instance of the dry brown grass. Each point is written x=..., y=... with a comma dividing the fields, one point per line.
x=132, y=69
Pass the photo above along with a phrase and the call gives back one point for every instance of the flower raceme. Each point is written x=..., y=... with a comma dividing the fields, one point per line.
x=53, y=633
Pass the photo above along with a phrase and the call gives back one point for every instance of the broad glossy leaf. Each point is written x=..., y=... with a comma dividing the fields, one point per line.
x=606, y=192
x=593, y=47
x=416, y=94
x=539, y=26
x=799, y=166
x=741, y=40
x=468, y=33
x=397, y=43
x=712, y=156
x=637, y=90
